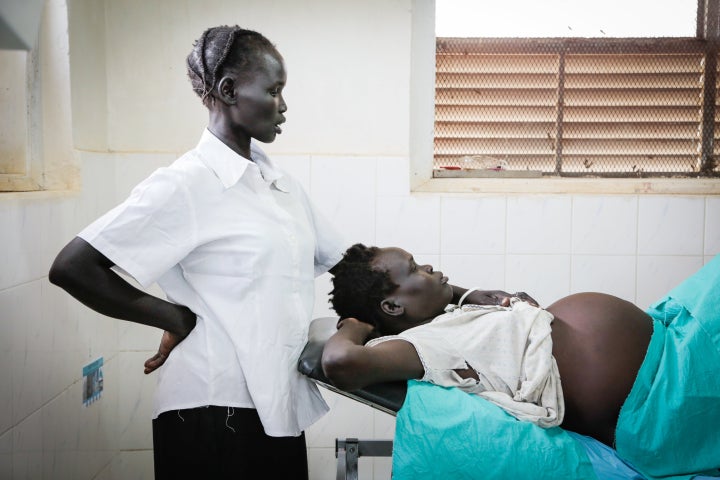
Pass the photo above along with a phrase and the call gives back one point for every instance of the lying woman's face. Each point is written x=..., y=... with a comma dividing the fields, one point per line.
x=422, y=293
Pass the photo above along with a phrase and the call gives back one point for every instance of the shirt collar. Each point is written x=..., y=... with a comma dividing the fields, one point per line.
x=229, y=167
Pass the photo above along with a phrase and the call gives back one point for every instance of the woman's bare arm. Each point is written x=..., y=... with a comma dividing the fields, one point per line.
x=350, y=365
x=86, y=274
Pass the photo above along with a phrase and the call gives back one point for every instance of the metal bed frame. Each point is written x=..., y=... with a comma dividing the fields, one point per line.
x=386, y=397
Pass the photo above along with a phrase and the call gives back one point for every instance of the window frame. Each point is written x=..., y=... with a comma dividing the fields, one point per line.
x=30, y=178
x=422, y=114
x=51, y=163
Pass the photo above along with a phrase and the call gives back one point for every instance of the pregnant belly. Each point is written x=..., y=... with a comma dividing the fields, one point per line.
x=599, y=343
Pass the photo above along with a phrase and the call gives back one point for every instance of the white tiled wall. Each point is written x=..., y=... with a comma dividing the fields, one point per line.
x=633, y=246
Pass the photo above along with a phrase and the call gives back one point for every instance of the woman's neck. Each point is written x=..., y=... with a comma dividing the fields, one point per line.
x=239, y=143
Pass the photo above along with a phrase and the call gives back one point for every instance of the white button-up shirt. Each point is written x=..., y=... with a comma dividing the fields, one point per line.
x=238, y=243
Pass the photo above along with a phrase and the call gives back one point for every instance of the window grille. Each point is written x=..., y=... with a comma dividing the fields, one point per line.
x=576, y=107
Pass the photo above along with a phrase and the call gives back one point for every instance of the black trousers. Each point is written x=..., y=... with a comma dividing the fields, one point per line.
x=223, y=443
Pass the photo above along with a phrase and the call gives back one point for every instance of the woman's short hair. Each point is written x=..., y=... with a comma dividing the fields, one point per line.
x=358, y=288
x=225, y=49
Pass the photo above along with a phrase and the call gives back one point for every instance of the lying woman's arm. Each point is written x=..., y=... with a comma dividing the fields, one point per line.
x=350, y=365
x=489, y=297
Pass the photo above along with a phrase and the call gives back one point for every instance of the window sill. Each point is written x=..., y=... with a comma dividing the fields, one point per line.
x=590, y=186
x=38, y=195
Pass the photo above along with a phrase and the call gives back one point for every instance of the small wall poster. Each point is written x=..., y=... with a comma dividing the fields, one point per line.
x=92, y=381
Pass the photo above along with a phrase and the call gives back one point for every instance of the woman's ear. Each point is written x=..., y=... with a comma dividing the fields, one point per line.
x=226, y=90
x=389, y=307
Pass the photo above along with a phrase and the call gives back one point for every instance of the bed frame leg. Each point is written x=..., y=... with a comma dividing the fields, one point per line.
x=349, y=450
x=347, y=455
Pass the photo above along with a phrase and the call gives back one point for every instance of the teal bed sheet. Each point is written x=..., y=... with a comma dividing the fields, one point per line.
x=669, y=426
x=445, y=433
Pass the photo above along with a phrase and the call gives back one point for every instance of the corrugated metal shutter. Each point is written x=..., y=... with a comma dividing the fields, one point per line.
x=572, y=108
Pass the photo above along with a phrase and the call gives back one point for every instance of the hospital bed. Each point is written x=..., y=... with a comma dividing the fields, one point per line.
x=389, y=398
x=386, y=397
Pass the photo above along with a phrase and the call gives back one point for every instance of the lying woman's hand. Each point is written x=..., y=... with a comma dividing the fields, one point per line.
x=358, y=329
x=526, y=298
x=497, y=297
x=467, y=373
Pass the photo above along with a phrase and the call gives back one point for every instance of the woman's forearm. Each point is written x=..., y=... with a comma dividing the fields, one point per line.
x=349, y=338
x=86, y=274
x=343, y=354
x=350, y=365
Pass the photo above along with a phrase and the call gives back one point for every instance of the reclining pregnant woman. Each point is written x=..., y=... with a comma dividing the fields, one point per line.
x=646, y=384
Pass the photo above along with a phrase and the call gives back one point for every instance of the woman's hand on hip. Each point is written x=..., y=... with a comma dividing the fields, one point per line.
x=167, y=343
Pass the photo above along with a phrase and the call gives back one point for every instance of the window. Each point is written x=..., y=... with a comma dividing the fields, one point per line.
x=36, y=151
x=594, y=93
x=567, y=18
x=16, y=172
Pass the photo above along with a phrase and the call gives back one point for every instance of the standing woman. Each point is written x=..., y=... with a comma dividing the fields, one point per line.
x=235, y=245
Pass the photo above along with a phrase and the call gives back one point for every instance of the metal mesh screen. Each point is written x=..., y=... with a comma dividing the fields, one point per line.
x=576, y=107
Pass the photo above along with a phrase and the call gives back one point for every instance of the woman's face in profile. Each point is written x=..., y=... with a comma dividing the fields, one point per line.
x=422, y=293
x=259, y=103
